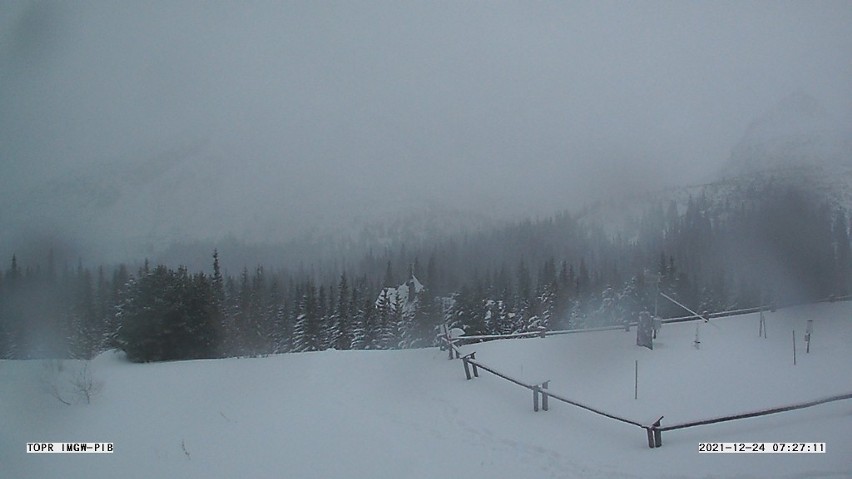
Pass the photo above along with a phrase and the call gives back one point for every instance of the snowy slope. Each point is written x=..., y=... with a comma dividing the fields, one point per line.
x=796, y=131
x=392, y=414
x=795, y=144
x=829, y=185
x=203, y=192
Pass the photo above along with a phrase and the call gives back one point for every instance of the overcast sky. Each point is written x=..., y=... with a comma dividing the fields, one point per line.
x=310, y=110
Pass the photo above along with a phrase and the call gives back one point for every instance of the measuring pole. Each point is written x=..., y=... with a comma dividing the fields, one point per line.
x=808, y=331
x=636, y=381
x=794, y=347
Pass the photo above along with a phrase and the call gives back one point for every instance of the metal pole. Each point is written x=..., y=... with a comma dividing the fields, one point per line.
x=794, y=347
x=636, y=381
x=808, y=331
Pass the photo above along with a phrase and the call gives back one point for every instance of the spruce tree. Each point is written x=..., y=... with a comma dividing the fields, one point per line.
x=370, y=337
x=425, y=320
x=167, y=315
x=341, y=333
x=385, y=315
x=85, y=333
x=308, y=331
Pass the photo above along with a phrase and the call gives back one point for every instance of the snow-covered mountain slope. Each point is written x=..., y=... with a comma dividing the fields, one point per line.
x=797, y=131
x=198, y=194
x=390, y=414
x=830, y=185
x=795, y=144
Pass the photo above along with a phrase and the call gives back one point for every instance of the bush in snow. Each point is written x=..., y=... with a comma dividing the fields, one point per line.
x=70, y=385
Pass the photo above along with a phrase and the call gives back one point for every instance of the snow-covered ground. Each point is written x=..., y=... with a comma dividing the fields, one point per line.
x=399, y=414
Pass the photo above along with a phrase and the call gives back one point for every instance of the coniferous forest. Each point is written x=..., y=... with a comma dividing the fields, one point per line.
x=776, y=246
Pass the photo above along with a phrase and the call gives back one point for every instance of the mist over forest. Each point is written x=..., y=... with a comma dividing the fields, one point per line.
x=364, y=172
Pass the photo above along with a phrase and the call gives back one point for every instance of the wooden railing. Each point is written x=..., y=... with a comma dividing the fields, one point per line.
x=542, y=394
x=543, y=332
x=541, y=390
x=763, y=412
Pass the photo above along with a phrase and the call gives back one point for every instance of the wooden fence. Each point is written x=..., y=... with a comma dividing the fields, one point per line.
x=544, y=332
x=541, y=394
x=658, y=429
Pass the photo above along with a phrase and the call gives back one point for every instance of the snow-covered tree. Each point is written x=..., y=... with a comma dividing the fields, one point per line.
x=308, y=334
x=167, y=315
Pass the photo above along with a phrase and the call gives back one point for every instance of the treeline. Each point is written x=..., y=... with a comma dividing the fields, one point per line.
x=776, y=245
x=160, y=314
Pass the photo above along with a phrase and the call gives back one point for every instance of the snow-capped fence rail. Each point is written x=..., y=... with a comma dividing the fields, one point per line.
x=450, y=344
x=718, y=314
x=734, y=312
x=594, y=410
x=543, y=332
x=658, y=429
x=542, y=390
x=542, y=394
x=540, y=332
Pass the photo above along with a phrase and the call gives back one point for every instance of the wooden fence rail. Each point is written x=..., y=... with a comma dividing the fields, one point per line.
x=654, y=430
x=485, y=337
x=678, y=319
x=499, y=374
x=541, y=333
x=542, y=391
x=596, y=411
x=762, y=412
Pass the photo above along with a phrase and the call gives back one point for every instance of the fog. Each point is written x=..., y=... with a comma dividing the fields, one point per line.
x=128, y=125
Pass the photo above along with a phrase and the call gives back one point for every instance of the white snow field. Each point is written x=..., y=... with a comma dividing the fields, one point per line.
x=412, y=414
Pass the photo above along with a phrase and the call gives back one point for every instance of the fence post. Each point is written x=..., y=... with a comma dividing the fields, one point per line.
x=445, y=335
x=658, y=435
x=544, y=396
x=535, y=390
x=475, y=369
x=655, y=436
x=466, y=367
